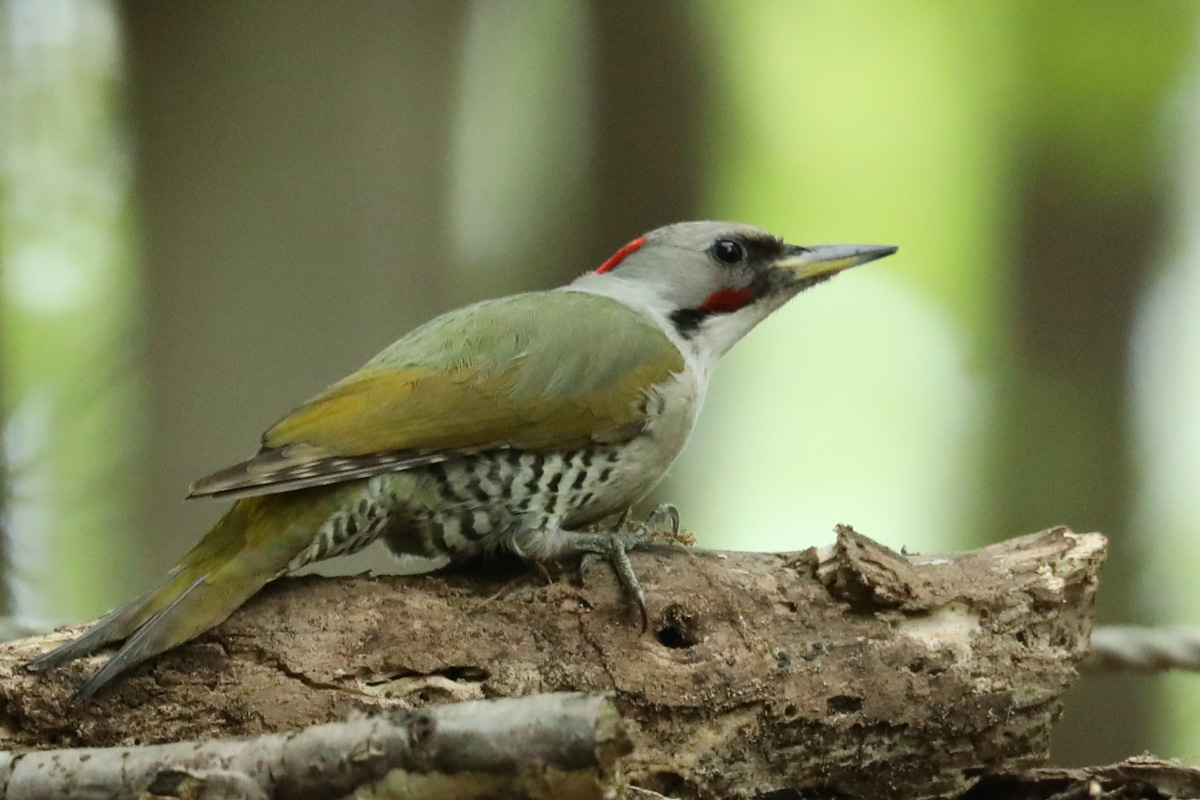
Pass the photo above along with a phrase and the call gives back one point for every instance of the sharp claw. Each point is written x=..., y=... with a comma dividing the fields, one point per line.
x=665, y=516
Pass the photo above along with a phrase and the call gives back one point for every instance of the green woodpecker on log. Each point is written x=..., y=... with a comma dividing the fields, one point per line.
x=509, y=424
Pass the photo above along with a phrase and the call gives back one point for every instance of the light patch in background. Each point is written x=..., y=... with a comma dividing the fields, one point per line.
x=1165, y=373
x=35, y=25
x=28, y=522
x=523, y=131
x=70, y=312
x=51, y=263
x=861, y=401
x=48, y=280
x=851, y=405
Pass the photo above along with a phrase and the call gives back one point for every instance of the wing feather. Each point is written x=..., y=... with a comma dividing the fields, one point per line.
x=544, y=371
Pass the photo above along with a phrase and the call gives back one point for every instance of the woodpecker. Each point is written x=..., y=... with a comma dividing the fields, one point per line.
x=513, y=423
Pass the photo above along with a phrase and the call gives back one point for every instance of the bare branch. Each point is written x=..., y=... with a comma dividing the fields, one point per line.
x=545, y=746
x=1139, y=648
x=1132, y=779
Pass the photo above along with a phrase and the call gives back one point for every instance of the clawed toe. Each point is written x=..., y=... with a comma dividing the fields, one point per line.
x=614, y=546
x=665, y=517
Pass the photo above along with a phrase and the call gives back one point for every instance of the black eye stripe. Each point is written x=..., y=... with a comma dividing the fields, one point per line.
x=735, y=249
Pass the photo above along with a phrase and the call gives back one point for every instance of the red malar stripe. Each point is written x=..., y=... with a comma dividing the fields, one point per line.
x=619, y=256
x=725, y=300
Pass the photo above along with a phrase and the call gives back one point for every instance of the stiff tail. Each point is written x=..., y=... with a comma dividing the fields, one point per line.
x=116, y=626
x=253, y=542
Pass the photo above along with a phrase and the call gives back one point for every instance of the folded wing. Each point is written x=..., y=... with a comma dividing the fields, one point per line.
x=544, y=371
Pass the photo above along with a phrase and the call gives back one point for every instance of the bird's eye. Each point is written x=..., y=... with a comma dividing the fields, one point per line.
x=728, y=251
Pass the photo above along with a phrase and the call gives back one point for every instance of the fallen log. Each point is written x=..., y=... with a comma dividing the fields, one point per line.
x=850, y=670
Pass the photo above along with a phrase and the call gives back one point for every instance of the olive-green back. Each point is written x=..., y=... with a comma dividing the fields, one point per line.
x=541, y=371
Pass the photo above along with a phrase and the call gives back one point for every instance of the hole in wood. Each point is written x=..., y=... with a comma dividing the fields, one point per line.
x=679, y=629
x=664, y=782
x=844, y=704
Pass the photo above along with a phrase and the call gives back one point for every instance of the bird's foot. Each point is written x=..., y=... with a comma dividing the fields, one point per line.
x=614, y=547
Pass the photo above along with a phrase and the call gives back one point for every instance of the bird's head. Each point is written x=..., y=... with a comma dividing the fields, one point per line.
x=714, y=281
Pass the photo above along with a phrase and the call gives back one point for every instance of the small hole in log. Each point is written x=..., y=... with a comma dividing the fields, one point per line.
x=666, y=783
x=679, y=630
x=844, y=704
x=790, y=711
x=674, y=638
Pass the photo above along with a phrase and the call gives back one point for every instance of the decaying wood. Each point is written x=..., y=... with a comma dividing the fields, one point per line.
x=543, y=746
x=848, y=670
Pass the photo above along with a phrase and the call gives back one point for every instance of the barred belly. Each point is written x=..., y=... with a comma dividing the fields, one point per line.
x=369, y=510
x=432, y=514
x=483, y=499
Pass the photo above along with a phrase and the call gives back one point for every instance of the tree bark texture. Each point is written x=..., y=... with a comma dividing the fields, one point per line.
x=848, y=670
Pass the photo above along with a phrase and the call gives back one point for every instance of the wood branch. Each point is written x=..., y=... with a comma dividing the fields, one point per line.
x=1139, y=778
x=850, y=670
x=544, y=746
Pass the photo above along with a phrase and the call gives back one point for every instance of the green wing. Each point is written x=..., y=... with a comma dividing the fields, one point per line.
x=544, y=371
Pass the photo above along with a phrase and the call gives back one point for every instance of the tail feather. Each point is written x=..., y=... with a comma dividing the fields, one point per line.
x=152, y=638
x=113, y=628
x=251, y=544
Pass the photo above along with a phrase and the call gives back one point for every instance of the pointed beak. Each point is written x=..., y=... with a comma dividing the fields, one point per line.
x=817, y=262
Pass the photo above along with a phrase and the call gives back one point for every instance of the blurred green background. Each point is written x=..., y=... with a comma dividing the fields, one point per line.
x=210, y=210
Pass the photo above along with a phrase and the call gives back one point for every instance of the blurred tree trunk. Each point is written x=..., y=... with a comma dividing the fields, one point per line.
x=653, y=88
x=290, y=166
x=1087, y=217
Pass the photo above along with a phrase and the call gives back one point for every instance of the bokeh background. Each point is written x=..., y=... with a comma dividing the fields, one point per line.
x=210, y=210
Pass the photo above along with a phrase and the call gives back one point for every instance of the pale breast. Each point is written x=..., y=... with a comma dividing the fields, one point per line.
x=644, y=460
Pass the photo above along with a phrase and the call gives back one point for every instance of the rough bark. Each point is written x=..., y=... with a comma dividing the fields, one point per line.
x=849, y=670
